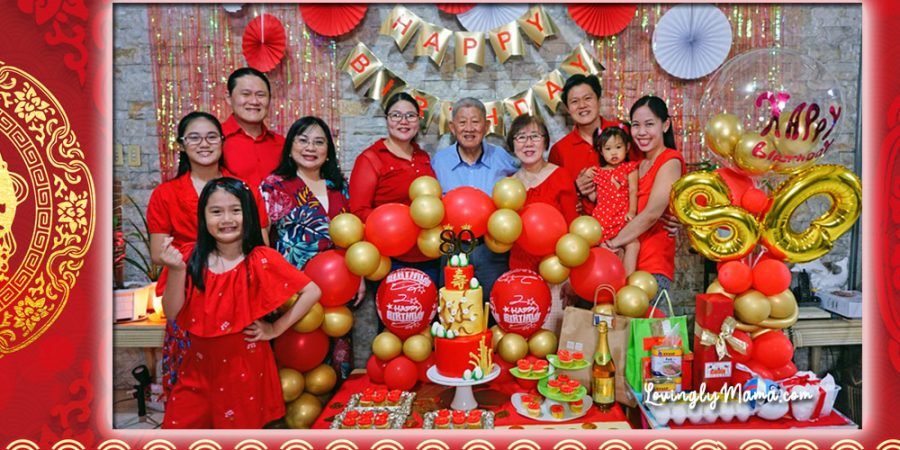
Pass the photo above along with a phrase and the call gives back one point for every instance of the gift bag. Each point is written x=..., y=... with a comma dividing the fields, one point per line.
x=644, y=334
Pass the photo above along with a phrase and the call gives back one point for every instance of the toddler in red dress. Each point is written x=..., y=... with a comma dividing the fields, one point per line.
x=617, y=185
x=218, y=290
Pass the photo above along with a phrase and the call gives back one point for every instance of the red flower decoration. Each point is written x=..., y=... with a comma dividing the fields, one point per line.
x=332, y=20
x=455, y=8
x=602, y=20
x=264, y=42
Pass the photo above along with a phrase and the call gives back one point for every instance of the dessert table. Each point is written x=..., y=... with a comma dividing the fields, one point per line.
x=493, y=396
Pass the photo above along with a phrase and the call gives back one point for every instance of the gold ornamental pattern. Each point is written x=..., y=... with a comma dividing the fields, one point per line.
x=47, y=209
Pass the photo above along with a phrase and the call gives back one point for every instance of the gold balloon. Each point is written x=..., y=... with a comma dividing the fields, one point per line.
x=424, y=185
x=496, y=335
x=751, y=153
x=505, y=225
x=606, y=309
x=783, y=305
x=303, y=412
x=338, y=321
x=588, y=228
x=778, y=324
x=840, y=185
x=384, y=267
x=796, y=144
x=542, y=343
x=645, y=281
x=632, y=301
x=427, y=211
x=496, y=246
x=417, y=347
x=552, y=270
x=292, y=384
x=703, y=223
x=362, y=258
x=320, y=380
x=345, y=230
x=429, y=242
x=312, y=320
x=722, y=134
x=512, y=347
x=752, y=307
x=386, y=345
x=509, y=193
x=716, y=288
x=572, y=250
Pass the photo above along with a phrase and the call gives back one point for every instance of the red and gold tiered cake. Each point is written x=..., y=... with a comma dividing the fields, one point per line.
x=462, y=339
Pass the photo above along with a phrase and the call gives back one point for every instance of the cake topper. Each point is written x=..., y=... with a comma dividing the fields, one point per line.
x=453, y=243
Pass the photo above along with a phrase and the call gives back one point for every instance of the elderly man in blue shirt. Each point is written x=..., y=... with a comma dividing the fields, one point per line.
x=471, y=161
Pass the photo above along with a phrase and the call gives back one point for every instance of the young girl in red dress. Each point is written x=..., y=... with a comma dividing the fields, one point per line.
x=219, y=289
x=616, y=183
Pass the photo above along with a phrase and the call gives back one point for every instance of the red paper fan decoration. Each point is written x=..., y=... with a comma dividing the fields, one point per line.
x=602, y=20
x=455, y=8
x=332, y=20
x=264, y=42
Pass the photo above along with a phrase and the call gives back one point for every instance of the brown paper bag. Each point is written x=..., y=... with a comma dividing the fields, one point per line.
x=579, y=334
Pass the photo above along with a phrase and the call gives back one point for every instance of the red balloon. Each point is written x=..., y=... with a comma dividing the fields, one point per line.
x=406, y=302
x=301, y=351
x=401, y=373
x=375, y=369
x=786, y=371
x=771, y=277
x=737, y=183
x=601, y=268
x=772, y=350
x=466, y=205
x=737, y=356
x=330, y=273
x=520, y=301
x=422, y=368
x=735, y=277
x=755, y=201
x=542, y=226
x=391, y=229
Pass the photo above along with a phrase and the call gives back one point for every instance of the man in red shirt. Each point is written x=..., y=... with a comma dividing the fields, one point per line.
x=575, y=152
x=251, y=151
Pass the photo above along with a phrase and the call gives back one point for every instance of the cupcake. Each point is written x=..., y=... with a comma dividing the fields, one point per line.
x=557, y=411
x=563, y=378
x=524, y=366
x=565, y=358
x=381, y=420
x=577, y=356
x=393, y=397
x=442, y=422
x=369, y=390
x=364, y=422
x=459, y=421
x=576, y=407
x=539, y=367
x=366, y=400
x=574, y=383
x=534, y=409
x=352, y=413
x=348, y=423
x=554, y=386
x=443, y=413
x=379, y=397
x=473, y=420
x=566, y=389
x=526, y=399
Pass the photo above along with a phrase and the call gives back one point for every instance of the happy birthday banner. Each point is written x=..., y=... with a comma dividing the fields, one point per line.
x=469, y=48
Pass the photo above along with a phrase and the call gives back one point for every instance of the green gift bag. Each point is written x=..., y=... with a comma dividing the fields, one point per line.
x=646, y=333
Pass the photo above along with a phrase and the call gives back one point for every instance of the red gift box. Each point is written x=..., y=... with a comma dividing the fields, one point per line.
x=712, y=310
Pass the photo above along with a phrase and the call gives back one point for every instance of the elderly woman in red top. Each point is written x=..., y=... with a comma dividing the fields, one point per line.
x=384, y=171
x=651, y=130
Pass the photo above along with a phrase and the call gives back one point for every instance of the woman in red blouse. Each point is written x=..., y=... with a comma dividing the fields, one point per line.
x=384, y=171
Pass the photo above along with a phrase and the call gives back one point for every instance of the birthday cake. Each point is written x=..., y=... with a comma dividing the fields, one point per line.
x=462, y=339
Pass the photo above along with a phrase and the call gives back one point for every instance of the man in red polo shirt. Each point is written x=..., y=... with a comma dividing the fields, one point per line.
x=251, y=150
x=575, y=152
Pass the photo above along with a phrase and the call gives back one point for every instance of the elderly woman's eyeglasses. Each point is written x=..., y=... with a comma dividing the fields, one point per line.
x=523, y=138
x=398, y=117
x=196, y=139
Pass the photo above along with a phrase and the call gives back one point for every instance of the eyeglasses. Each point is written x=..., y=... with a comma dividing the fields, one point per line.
x=398, y=117
x=523, y=138
x=302, y=141
x=196, y=139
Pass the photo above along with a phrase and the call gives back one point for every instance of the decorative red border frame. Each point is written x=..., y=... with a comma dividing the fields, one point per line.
x=55, y=393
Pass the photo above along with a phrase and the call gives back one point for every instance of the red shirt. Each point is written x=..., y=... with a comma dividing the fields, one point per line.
x=557, y=190
x=251, y=159
x=173, y=209
x=575, y=154
x=381, y=177
x=657, y=254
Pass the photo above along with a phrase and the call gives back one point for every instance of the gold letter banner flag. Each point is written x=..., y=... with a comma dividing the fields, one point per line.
x=427, y=104
x=495, y=118
x=581, y=61
x=521, y=103
x=433, y=41
x=537, y=25
x=507, y=41
x=445, y=117
x=401, y=25
x=360, y=64
x=549, y=90
x=385, y=84
x=469, y=48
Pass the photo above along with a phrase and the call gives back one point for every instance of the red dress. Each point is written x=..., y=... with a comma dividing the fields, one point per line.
x=557, y=190
x=225, y=381
x=612, y=201
x=657, y=254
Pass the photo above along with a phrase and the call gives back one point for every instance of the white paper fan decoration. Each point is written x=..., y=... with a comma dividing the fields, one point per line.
x=488, y=17
x=691, y=41
x=232, y=8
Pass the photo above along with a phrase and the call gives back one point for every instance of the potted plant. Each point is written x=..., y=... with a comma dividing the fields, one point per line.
x=137, y=239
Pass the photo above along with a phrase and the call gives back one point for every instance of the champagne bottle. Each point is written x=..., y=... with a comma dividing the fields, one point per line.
x=603, y=372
